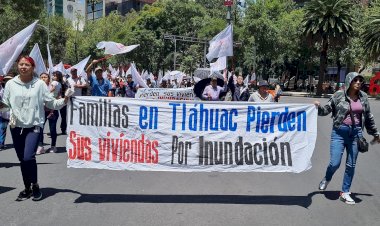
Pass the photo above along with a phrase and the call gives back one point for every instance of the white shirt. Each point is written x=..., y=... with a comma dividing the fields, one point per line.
x=79, y=81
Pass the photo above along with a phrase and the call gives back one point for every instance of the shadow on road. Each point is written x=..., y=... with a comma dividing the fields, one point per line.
x=61, y=150
x=282, y=200
x=13, y=164
x=5, y=189
x=303, y=201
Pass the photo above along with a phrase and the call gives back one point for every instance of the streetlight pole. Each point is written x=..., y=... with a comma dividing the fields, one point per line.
x=47, y=31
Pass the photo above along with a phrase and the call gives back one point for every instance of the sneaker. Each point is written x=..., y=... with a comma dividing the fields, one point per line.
x=323, y=184
x=37, y=195
x=53, y=150
x=40, y=150
x=24, y=195
x=346, y=198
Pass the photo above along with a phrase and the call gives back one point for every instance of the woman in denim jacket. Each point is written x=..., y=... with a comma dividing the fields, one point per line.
x=344, y=134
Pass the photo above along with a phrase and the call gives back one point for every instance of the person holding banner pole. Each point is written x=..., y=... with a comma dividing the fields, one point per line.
x=26, y=96
x=350, y=111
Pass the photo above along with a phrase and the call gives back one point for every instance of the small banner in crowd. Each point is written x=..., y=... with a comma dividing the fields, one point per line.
x=166, y=94
x=190, y=136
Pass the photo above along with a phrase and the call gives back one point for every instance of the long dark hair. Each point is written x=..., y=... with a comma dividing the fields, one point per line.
x=60, y=80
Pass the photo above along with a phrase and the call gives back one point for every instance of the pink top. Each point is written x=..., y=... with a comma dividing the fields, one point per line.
x=357, y=110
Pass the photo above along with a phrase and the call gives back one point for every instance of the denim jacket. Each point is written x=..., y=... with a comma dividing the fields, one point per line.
x=339, y=105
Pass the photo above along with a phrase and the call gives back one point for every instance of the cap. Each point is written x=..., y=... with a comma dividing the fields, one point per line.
x=98, y=68
x=263, y=83
x=214, y=79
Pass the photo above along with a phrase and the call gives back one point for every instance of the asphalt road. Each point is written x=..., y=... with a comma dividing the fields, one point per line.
x=102, y=197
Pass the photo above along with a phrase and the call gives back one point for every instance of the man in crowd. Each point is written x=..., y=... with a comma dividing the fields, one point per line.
x=240, y=92
x=212, y=91
x=130, y=87
x=155, y=83
x=261, y=95
x=76, y=83
x=99, y=85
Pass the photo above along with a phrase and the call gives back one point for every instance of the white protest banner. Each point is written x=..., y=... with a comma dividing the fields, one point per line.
x=221, y=45
x=219, y=65
x=166, y=94
x=38, y=60
x=11, y=49
x=115, y=48
x=190, y=136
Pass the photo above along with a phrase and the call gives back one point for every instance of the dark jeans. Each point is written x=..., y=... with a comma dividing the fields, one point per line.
x=63, y=119
x=52, y=126
x=25, y=142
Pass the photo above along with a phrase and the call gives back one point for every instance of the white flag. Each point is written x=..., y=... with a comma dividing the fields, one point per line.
x=136, y=77
x=50, y=61
x=11, y=49
x=115, y=48
x=38, y=60
x=219, y=65
x=253, y=76
x=246, y=80
x=221, y=45
x=79, y=66
x=59, y=67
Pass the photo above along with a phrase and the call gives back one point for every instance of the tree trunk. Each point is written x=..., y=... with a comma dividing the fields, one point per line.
x=323, y=65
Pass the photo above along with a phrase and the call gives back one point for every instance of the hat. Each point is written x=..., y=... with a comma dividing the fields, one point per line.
x=263, y=83
x=214, y=78
x=98, y=68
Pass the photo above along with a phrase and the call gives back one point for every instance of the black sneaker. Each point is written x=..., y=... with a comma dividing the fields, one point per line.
x=24, y=195
x=37, y=195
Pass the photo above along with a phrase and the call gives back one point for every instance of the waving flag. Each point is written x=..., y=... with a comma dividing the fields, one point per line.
x=221, y=45
x=59, y=67
x=79, y=66
x=136, y=76
x=219, y=65
x=50, y=61
x=37, y=57
x=115, y=48
x=11, y=49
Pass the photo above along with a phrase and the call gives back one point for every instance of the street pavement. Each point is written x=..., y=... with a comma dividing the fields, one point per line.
x=103, y=197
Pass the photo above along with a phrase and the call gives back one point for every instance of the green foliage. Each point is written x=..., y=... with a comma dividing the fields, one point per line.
x=371, y=33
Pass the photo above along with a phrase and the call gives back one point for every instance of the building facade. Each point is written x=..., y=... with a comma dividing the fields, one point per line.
x=123, y=7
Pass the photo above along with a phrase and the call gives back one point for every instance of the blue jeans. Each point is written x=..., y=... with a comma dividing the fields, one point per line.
x=3, y=130
x=52, y=126
x=344, y=138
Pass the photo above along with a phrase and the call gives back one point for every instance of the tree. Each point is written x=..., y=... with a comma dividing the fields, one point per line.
x=327, y=22
x=271, y=35
x=371, y=34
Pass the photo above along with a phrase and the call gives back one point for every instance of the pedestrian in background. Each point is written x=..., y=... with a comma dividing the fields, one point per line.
x=347, y=130
x=4, y=115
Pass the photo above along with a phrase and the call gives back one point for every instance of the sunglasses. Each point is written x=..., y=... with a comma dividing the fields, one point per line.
x=358, y=80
